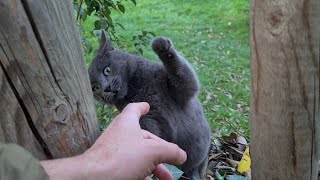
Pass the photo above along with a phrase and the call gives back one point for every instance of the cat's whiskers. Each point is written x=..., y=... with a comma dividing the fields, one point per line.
x=95, y=95
x=105, y=96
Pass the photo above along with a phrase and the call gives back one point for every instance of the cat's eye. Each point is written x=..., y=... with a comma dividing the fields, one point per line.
x=107, y=71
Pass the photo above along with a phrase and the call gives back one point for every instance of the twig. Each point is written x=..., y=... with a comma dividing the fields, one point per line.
x=80, y=4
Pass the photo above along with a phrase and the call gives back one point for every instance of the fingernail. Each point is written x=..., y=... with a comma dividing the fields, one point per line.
x=183, y=156
x=146, y=107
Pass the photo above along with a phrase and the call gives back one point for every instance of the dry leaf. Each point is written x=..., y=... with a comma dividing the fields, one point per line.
x=214, y=156
x=245, y=163
x=232, y=162
x=236, y=150
x=242, y=140
x=248, y=174
x=209, y=177
x=242, y=143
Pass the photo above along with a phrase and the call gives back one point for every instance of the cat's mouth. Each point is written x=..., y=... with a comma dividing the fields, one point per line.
x=106, y=97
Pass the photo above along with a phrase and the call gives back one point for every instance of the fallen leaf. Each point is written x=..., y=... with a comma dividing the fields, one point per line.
x=242, y=140
x=245, y=163
x=248, y=174
x=176, y=173
x=236, y=150
x=214, y=156
x=236, y=177
x=232, y=162
x=242, y=143
x=218, y=175
x=226, y=168
x=208, y=98
x=209, y=172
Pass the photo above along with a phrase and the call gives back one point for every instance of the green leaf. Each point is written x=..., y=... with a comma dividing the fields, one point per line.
x=218, y=175
x=236, y=177
x=96, y=32
x=81, y=11
x=109, y=3
x=107, y=12
x=121, y=8
x=83, y=16
x=104, y=23
x=86, y=45
x=88, y=2
x=134, y=2
x=97, y=24
x=144, y=33
x=121, y=26
x=177, y=173
x=75, y=6
x=152, y=33
x=109, y=18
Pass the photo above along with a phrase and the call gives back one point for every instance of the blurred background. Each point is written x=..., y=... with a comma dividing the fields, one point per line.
x=213, y=35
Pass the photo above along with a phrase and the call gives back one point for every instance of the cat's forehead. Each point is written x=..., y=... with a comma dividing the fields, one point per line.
x=114, y=59
x=98, y=63
x=102, y=58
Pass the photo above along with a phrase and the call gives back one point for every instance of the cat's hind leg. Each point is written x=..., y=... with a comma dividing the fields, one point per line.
x=198, y=172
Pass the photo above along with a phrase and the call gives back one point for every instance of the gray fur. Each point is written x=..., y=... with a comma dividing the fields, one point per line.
x=171, y=88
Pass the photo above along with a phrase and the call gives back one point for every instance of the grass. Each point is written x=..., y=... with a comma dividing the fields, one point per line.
x=213, y=36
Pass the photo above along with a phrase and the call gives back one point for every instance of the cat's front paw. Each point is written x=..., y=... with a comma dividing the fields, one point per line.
x=161, y=45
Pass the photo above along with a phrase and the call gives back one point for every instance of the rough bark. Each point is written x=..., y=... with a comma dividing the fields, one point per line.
x=46, y=102
x=285, y=121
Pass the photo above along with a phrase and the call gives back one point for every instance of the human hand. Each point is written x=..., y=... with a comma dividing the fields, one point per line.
x=125, y=151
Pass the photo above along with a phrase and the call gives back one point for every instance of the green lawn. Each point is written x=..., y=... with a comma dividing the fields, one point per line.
x=213, y=35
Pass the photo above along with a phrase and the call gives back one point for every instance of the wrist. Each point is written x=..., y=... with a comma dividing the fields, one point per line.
x=96, y=167
x=73, y=168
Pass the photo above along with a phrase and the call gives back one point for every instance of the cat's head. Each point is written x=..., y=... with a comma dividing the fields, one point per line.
x=109, y=72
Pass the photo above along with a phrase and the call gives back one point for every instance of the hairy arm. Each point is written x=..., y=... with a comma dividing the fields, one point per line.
x=122, y=142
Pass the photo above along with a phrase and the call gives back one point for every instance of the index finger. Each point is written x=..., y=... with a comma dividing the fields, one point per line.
x=131, y=114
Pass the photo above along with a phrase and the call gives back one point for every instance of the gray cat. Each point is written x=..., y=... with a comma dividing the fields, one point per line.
x=171, y=88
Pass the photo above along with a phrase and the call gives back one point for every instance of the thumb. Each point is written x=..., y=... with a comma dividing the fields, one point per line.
x=165, y=152
x=137, y=109
x=129, y=117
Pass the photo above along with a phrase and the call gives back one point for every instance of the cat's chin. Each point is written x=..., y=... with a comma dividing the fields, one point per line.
x=113, y=98
x=121, y=94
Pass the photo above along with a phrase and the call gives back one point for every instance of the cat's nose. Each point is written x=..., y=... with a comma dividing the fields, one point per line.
x=107, y=89
x=96, y=88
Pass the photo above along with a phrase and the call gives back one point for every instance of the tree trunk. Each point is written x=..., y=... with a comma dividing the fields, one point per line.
x=46, y=102
x=285, y=121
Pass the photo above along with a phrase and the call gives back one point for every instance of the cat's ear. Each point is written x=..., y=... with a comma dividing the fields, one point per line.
x=105, y=42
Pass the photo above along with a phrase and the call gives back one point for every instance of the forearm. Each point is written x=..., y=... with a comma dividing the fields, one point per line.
x=86, y=166
x=67, y=168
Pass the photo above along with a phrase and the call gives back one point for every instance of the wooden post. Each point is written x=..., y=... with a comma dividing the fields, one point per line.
x=285, y=121
x=46, y=104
